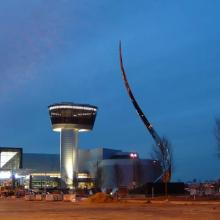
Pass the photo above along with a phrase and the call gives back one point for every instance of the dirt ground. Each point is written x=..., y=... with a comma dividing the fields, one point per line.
x=42, y=210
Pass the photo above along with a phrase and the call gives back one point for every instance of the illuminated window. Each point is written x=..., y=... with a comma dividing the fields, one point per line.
x=10, y=158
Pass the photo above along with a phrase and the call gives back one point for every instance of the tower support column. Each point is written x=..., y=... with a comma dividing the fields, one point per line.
x=68, y=157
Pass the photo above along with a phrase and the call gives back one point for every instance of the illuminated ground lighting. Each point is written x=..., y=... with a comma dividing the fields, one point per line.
x=69, y=119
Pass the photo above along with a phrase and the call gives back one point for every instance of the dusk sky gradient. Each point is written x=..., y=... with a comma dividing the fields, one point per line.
x=67, y=50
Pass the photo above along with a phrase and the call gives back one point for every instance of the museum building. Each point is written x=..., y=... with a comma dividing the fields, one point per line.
x=99, y=167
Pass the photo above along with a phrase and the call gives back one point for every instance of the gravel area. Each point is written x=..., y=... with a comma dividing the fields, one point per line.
x=43, y=210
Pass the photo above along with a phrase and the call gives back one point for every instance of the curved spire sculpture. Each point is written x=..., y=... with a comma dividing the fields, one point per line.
x=160, y=142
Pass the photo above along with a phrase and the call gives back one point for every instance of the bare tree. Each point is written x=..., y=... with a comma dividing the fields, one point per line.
x=217, y=134
x=99, y=176
x=118, y=175
x=136, y=172
x=165, y=157
x=161, y=156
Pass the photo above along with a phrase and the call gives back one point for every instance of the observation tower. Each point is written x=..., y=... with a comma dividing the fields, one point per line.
x=69, y=119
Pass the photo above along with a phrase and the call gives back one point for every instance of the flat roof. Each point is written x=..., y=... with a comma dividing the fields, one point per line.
x=11, y=149
x=72, y=104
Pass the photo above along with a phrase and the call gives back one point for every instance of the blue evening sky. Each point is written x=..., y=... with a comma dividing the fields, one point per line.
x=67, y=50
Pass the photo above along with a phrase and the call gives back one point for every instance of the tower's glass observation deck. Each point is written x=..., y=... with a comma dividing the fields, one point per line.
x=72, y=116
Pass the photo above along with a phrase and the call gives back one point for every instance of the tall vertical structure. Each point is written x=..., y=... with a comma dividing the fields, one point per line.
x=69, y=119
x=162, y=143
